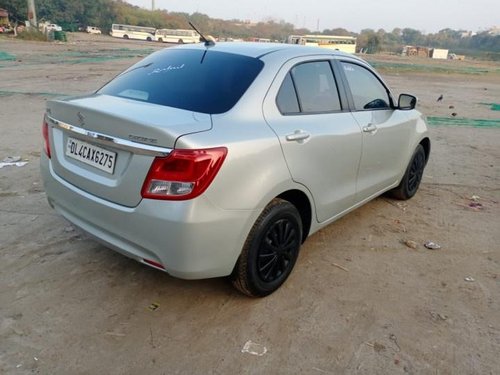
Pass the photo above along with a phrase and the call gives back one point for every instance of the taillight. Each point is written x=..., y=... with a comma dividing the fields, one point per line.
x=184, y=174
x=45, y=132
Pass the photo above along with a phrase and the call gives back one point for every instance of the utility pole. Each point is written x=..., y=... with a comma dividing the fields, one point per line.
x=152, y=4
x=32, y=13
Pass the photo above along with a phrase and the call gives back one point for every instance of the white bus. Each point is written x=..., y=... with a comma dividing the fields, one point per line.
x=133, y=32
x=177, y=36
x=341, y=43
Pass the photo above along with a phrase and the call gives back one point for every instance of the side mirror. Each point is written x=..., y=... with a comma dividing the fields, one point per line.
x=407, y=102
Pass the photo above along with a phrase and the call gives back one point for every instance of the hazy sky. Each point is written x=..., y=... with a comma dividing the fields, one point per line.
x=427, y=16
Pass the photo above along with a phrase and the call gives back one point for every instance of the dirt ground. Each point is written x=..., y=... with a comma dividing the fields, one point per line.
x=358, y=302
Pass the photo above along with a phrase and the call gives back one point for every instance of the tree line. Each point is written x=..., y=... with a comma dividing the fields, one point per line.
x=72, y=14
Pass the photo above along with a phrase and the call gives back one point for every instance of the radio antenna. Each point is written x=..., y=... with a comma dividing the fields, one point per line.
x=208, y=42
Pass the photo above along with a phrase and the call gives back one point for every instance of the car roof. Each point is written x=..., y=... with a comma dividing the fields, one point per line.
x=258, y=50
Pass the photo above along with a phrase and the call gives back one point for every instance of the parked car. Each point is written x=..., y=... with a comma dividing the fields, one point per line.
x=53, y=27
x=93, y=30
x=220, y=160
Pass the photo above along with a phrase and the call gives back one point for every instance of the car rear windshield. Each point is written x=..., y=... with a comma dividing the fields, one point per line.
x=197, y=80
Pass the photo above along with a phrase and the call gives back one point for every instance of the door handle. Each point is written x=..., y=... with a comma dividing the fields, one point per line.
x=297, y=136
x=370, y=128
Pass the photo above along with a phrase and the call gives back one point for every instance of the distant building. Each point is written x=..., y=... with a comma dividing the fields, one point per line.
x=246, y=23
x=433, y=53
x=414, y=51
x=494, y=31
x=438, y=53
x=467, y=34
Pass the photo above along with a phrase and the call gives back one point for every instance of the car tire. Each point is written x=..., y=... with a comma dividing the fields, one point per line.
x=270, y=251
x=125, y=36
x=180, y=41
x=413, y=176
x=148, y=39
x=160, y=40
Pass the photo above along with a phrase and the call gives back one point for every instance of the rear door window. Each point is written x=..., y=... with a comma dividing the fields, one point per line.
x=309, y=88
x=196, y=80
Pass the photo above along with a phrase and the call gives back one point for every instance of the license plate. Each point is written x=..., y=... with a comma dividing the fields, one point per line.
x=90, y=154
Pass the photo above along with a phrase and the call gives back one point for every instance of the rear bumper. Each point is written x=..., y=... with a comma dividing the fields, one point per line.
x=192, y=239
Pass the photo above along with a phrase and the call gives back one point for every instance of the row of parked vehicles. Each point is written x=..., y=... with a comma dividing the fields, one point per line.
x=46, y=27
x=151, y=34
x=180, y=36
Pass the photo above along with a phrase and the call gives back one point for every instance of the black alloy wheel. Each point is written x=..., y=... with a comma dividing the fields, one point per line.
x=277, y=250
x=270, y=251
x=410, y=182
x=416, y=172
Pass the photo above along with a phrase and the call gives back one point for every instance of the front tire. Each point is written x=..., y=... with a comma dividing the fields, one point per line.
x=413, y=176
x=270, y=251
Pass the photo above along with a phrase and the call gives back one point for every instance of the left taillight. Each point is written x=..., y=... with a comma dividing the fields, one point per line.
x=45, y=132
x=184, y=174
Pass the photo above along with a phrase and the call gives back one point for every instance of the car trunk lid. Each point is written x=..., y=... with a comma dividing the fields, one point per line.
x=105, y=145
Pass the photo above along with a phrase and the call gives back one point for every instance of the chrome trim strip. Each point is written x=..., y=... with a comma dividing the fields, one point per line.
x=106, y=140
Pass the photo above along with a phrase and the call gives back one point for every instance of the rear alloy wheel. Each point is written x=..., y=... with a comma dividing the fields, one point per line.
x=270, y=251
x=411, y=180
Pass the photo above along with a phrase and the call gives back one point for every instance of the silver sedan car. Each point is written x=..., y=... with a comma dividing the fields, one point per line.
x=220, y=160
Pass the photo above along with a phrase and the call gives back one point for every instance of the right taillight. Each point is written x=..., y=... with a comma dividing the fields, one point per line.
x=183, y=174
x=45, y=132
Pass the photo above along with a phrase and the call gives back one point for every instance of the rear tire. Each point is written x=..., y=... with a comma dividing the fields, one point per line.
x=125, y=36
x=270, y=251
x=413, y=176
x=180, y=41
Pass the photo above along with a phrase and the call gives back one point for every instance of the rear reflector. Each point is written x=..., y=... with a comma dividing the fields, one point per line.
x=45, y=132
x=153, y=263
x=184, y=174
